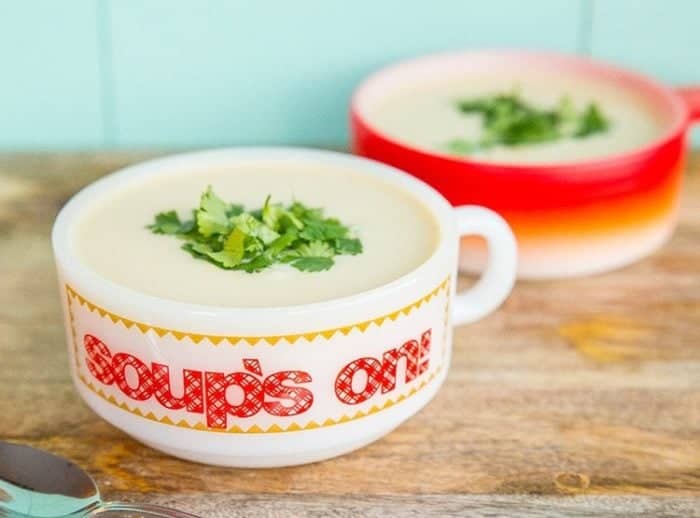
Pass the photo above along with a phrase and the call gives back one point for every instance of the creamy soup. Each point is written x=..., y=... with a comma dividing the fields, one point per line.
x=425, y=116
x=397, y=232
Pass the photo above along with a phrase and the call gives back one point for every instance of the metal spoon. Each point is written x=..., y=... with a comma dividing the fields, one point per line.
x=34, y=484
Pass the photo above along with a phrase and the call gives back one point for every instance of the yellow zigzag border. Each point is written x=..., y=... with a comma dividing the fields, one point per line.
x=274, y=428
x=251, y=340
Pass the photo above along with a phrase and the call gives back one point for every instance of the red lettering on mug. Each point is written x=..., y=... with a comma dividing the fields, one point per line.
x=278, y=394
x=218, y=406
x=99, y=359
x=424, y=354
x=410, y=351
x=343, y=383
x=203, y=392
x=299, y=399
x=144, y=379
x=191, y=398
x=384, y=374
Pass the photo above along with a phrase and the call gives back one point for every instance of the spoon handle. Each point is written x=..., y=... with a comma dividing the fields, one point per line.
x=145, y=510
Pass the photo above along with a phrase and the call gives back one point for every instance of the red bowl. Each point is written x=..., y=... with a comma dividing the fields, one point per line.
x=570, y=218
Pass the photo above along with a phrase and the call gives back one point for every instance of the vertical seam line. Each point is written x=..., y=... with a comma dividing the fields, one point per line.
x=106, y=72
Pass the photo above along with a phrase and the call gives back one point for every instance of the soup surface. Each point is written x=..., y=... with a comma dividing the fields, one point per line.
x=397, y=232
x=425, y=115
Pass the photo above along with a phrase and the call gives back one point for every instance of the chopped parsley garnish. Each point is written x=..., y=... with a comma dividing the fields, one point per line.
x=232, y=238
x=508, y=120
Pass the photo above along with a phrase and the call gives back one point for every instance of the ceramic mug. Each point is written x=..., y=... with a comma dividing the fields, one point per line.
x=579, y=217
x=262, y=387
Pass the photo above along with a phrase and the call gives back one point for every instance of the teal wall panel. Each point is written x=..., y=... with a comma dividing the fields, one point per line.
x=660, y=38
x=192, y=73
x=232, y=72
x=50, y=91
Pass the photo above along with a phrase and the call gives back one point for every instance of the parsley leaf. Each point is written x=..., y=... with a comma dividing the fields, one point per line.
x=592, y=121
x=234, y=247
x=334, y=229
x=507, y=120
x=211, y=216
x=166, y=223
x=312, y=264
x=253, y=227
x=256, y=264
x=271, y=214
x=283, y=242
x=206, y=252
x=348, y=246
x=315, y=249
x=232, y=238
x=234, y=210
x=313, y=230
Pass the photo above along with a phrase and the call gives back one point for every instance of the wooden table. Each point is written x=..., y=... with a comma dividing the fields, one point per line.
x=577, y=396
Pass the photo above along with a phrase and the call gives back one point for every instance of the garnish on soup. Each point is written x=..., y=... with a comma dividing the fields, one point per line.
x=508, y=120
x=227, y=235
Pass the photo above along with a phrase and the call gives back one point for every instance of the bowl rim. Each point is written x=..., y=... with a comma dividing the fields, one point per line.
x=671, y=101
x=68, y=261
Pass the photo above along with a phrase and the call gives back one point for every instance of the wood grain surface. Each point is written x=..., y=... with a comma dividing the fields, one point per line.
x=578, y=396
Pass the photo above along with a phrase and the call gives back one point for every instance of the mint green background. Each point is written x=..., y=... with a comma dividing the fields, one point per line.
x=86, y=74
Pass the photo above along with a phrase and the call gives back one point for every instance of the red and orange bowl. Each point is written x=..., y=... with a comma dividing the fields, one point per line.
x=570, y=216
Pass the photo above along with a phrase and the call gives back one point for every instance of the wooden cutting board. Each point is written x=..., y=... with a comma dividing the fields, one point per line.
x=577, y=396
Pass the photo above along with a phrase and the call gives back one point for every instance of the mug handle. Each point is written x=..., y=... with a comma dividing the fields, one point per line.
x=497, y=280
x=691, y=97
